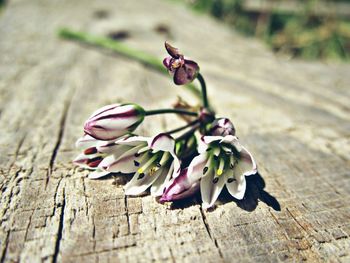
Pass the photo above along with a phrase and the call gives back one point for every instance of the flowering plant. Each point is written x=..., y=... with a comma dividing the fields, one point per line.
x=217, y=159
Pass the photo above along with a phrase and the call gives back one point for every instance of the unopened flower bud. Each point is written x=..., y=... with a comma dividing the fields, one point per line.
x=222, y=127
x=113, y=121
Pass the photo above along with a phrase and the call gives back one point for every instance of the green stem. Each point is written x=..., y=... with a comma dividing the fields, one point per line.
x=188, y=133
x=204, y=90
x=177, y=111
x=120, y=48
x=183, y=127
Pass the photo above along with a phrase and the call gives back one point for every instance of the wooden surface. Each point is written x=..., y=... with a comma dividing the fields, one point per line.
x=292, y=115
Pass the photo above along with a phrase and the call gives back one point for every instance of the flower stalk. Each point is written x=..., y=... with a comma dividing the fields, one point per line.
x=207, y=156
x=176, y=111
x=204, y=90
x=122, y=49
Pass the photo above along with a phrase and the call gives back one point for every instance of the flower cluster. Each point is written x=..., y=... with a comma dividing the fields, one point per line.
x=216, y=157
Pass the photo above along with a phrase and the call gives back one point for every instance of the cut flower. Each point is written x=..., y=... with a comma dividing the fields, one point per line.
x=222, y=160
x=152, y=159
x=183, y=70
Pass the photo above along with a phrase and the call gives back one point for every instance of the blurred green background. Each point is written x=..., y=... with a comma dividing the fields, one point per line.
x=316, y=29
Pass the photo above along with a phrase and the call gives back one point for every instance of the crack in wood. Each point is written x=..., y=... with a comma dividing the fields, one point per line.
x=207, y=227
x=127, y=212
x=62, y=126
x=60, y=229
x=3, y=252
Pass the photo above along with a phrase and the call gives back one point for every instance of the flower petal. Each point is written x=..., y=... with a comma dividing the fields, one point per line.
x=177, y=166
x=210, y=189
x=83, y=159
x=172, y=51
x=176, y=187
x=246, y=164
x=162, y=142
x=123, y=163
x=139, y=184
x=115, y=149
x=195, y=169
x=98, y=174
x=180, y=76
x=86, y=141
x=167, y=63
x=237, y=187
x=133, y=140
x=162, y=180
x=210, y=139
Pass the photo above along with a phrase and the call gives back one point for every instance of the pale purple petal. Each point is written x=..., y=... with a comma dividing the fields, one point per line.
x=222, y=127
x=167, y=63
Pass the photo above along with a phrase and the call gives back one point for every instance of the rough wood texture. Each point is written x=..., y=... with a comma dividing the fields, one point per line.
x=293, y=115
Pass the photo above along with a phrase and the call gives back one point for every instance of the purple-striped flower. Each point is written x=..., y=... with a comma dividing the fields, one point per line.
x=222, y=127
x=113, y=121
x=93, y=153
x=222, y=160
x=153, y=161
x=184, y=70
x=180, y=187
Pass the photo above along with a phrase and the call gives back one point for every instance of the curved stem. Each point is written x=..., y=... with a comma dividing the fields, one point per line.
x=176, y=111
x=183, y=127
x=120, y=48
x=188, y=133
x=204, y=90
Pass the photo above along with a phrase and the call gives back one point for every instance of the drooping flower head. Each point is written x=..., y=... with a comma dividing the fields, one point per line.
x=93, y=153
x=222, y=160
x=184, y=70
x=113, y=121
x=153, y=161
x=222, y=127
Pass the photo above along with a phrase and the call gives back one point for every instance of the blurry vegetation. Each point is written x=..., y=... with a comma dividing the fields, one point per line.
x=309, y=29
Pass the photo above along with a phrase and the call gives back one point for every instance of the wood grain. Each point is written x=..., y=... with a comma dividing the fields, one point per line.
x=293, y=115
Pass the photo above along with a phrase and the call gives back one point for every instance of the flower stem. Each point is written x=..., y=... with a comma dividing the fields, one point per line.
x=122, y=49
x=188, y=133
x=183, y=127
x=176, y=111
x=204, y=90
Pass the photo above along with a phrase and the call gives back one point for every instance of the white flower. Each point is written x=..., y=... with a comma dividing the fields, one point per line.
x=222, y=161
x=153, y=161
x=93, y=153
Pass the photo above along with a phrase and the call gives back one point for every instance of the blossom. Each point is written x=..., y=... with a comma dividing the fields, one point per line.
x=222, y=127
x=222, y=160
x=152, y=159
x=113, y=121
x=184, y=70
x=180, y=187
x=93, y=153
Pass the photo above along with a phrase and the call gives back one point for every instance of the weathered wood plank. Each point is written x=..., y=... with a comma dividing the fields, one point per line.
x=293, y=115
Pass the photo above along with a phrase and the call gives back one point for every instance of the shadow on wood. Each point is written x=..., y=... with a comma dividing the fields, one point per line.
x=255, y=192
